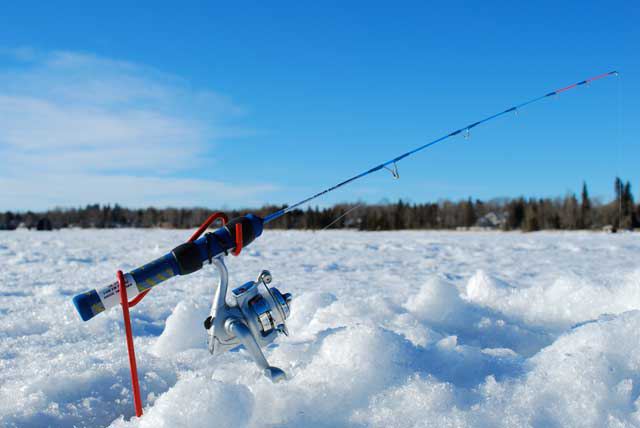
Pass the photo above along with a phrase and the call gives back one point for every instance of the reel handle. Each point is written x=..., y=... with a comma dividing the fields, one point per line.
x=182, y=260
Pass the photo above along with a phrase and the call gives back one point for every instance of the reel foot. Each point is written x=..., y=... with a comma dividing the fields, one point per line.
x=275, y=374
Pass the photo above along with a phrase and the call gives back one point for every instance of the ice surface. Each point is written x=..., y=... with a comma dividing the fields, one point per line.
x=390, y=329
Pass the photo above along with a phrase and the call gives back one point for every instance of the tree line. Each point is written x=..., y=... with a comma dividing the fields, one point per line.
x=527, y=214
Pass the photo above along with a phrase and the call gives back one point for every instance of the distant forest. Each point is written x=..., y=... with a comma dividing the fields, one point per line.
x=527, y=214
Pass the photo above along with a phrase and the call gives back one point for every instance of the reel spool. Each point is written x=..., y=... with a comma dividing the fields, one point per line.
x=252, y=316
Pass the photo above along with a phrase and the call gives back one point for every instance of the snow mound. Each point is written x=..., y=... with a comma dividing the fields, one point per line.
x=438, y=302
x=304, y=309
x=348, y=366
x=184, y=329
x=197, y=402
x=420, y=402
x=559, y=303
x=588, y=378
x=483, y=288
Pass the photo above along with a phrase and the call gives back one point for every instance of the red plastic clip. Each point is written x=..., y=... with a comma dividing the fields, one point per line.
x=238, y=249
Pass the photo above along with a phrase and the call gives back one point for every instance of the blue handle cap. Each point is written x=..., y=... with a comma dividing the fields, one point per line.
x=88, y=304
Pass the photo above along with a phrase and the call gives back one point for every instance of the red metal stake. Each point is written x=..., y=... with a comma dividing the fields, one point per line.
x=135, y=386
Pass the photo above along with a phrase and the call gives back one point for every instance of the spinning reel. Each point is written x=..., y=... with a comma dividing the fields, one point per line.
x=253, y=316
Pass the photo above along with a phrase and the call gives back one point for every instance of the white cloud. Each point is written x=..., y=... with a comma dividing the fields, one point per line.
x=132, y=191
x=77, y=128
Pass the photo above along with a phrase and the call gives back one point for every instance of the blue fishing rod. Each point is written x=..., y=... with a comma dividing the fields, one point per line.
x=242, y=231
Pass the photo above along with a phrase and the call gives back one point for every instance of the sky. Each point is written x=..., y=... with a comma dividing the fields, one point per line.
x=238, y=104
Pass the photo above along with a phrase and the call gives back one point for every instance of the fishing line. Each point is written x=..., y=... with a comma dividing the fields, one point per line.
x=465, y=130
x=619, y=149
x=343, y=215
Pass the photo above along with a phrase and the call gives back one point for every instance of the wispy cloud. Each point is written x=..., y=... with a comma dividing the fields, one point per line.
x=76, y=128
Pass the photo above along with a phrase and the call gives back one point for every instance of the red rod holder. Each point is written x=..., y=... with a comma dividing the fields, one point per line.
x=204, y=226
x=124, y=301
x=139, y=297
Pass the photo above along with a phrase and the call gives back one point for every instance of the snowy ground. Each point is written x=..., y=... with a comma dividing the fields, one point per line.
x=398, y=329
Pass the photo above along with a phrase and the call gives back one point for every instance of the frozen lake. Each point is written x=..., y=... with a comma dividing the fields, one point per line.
x=388, y=329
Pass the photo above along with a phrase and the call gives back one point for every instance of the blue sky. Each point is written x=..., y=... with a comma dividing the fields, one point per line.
x=239, y=104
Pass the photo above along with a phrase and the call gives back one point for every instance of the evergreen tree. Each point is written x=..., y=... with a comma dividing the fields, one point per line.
x=399, y=215
x=515, y=214
x=469, y=214
x=585, y=208
x=618, y=202
x=569, y=216
x=530, y=222
x=628, y=217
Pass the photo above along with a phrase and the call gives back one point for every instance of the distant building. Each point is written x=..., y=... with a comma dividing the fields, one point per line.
x=492, y=220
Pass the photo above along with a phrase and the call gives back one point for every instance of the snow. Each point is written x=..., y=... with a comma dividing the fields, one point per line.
x=389, y=329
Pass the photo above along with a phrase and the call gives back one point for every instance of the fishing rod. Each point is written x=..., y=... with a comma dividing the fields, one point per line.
x=256, y=314
x=394, y=161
